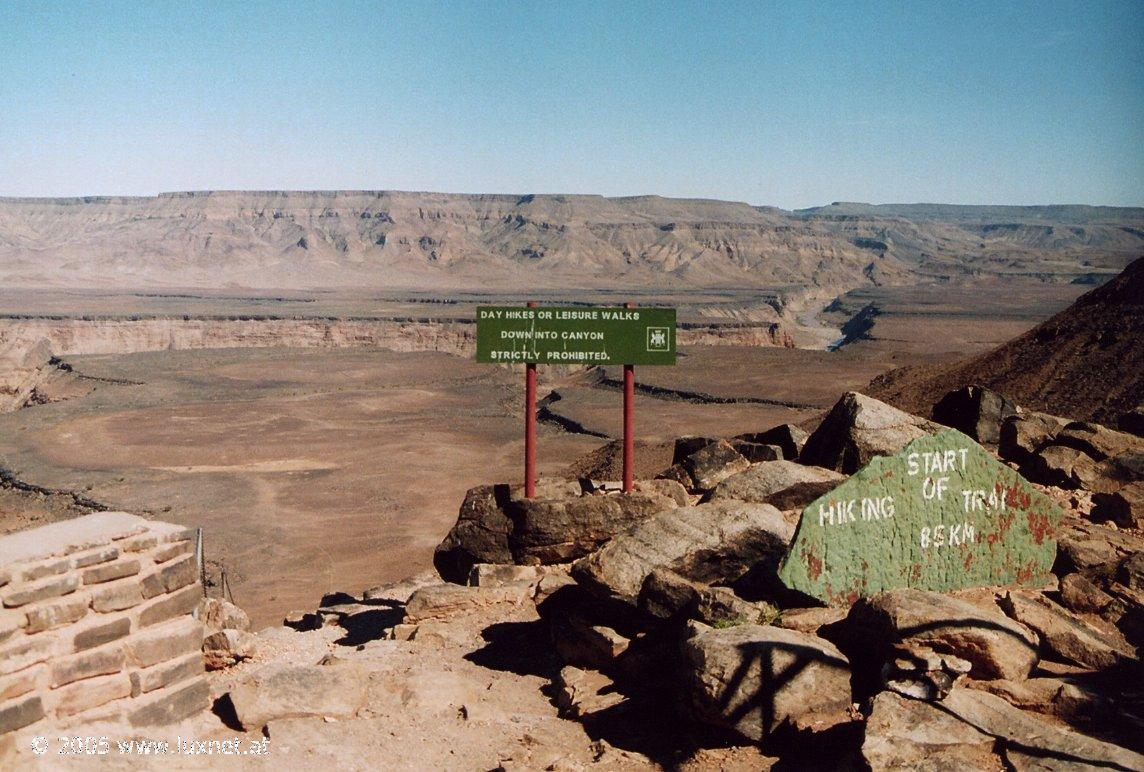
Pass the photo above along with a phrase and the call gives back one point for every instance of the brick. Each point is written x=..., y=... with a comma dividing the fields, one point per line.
x=50, y=615
x=111, y=713
x=117, y=596
x=96, y=662
x=165, y=642
x=99, y=632
x=89, y=693
x=11, y=622
x=25, y=652
x=165, y=607
x=95, y=557
x=17, y=714
x=166, y=673
x=166, y=552
x=50, y=588
x=21, y=682
x=172, y=704
x=110, y=571
x=36, y=571
x=170, y=577
x=139, y=543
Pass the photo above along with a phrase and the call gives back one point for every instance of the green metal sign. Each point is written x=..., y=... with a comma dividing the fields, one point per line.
x=576, y=335
x=941, y=514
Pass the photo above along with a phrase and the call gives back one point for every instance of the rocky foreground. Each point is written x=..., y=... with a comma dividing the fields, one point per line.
x=587, y=628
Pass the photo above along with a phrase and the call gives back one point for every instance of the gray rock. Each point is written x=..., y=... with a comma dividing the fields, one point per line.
x=782, y=484
x=996, y=646
x=975, y=411
x=685, y=446
x=789, y=437
x=667, y=595
x=712, y=543
x=219, y=614
x=1064, y=467
x=753, y=679
x=857, y=429
x=1066, y=637
x=713, y=464
x=1021, y=436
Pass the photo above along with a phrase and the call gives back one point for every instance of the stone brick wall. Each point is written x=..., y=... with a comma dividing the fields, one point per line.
x=96, y=624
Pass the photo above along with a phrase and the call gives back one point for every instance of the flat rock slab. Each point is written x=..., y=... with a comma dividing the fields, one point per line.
x=276, y=692
x=1066, y=637
x=940, y=515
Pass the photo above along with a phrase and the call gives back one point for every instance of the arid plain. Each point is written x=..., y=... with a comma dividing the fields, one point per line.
x=315, y=468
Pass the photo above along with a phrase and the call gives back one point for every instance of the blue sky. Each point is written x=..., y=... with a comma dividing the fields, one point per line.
x=789, y=103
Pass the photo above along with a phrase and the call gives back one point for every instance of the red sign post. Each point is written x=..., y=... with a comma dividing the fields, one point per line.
x=530, y=426
x=629, y=419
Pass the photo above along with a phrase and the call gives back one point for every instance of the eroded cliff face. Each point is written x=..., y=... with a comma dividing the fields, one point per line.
x=123, y=336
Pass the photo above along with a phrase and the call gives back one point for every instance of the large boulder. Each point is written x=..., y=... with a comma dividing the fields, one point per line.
x=994, y=645
x=550, y=531
x=1022, y=436
x=857, y=429
x=782, y=484
x=754, y=679
x=789, y=437
x=714, y=463
x=713, y=543
x=975, y=411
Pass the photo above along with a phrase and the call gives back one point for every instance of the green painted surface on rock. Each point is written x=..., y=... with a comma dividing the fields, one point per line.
x=941, y=514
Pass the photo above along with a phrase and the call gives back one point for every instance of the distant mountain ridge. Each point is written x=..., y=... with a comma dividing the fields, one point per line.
x=381, y=239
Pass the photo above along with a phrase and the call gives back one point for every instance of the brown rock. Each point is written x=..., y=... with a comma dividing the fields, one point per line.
x=218, y=614
x=712, y=543
x=1079, y=594
x=903, y=733
x=170, y=577
x=447, y=600
x=1125, y=507
x=1024, y=435
x=810, y=620
x=21, y=682
x=25, y=651
x=756, y=452
x=996, y=646
x=1064, y=636
x=581, y=693
x=561, y=530
x=752, y=679
x=89, y=693
x=1098, y=442
x=782, y=484
x=118, y=596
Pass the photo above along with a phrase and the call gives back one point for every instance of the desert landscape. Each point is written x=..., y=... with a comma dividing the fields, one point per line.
x=499, y=387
